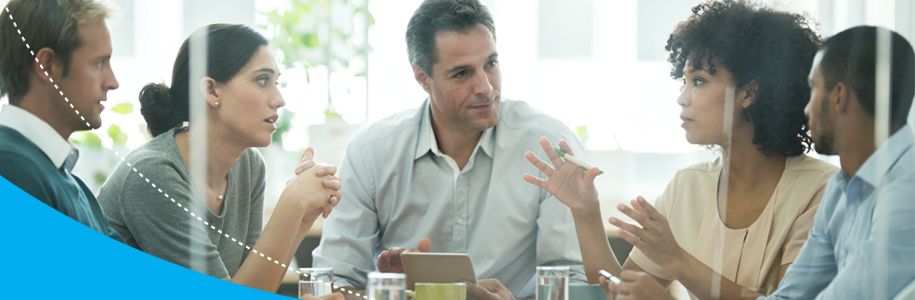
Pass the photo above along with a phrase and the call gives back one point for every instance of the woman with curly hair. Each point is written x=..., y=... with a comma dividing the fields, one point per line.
x=727, y=228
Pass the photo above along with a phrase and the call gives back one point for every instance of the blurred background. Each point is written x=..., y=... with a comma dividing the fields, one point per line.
x=597, y=65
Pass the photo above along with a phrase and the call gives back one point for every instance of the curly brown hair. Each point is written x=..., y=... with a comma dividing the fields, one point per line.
x=755, y=43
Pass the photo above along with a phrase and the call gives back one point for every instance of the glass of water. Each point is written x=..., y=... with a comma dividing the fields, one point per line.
x=387, y=286
x=553, y=283
x=315, y=281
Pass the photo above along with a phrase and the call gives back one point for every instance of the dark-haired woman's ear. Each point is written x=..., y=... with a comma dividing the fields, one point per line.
x=210, y=93
x=750, y=92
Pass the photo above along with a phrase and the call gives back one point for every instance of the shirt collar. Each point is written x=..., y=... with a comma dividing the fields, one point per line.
x=40, y=133
x=427, y=141
x=878, y=164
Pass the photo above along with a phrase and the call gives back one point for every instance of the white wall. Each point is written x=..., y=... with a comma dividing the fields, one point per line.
x=623, y=97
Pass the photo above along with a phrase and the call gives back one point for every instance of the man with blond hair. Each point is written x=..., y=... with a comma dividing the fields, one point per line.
x=55, y=69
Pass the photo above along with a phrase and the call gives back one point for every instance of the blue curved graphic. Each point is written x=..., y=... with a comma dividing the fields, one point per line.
x=46, y=255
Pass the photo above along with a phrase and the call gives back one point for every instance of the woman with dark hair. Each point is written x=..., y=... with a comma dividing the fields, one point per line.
x=149, y=199
x=728, y=228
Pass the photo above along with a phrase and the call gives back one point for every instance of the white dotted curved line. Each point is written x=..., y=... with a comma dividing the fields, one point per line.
x=196, y=216
x=29, y=47
x=154, y=186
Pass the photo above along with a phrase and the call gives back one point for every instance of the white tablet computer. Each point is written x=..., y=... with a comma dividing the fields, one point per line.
x=437, y=268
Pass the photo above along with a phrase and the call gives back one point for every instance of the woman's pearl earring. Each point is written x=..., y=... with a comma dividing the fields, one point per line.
x=216, y=104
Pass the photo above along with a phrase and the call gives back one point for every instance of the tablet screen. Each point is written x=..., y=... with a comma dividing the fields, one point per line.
x=437, y=268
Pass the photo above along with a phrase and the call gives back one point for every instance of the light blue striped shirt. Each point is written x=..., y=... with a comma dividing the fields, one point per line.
x=862, y=244
x=398, y=187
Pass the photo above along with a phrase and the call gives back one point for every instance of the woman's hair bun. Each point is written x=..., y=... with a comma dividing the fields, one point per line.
x=156, y=107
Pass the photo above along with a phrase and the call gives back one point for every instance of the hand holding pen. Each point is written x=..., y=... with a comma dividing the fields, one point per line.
x=567, y=156
x=570, y=182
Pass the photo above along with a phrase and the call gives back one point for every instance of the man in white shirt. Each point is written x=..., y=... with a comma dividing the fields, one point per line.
x=452, y=169
x=55, y=66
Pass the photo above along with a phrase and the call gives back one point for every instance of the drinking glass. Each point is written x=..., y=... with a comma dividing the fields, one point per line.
x=553, y=283
x=387, y=286
x=315, y=281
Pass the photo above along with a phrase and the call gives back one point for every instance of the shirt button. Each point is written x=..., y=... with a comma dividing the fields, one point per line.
x=460, y=221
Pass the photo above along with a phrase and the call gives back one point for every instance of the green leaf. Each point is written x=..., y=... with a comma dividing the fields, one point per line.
x=582, y=132
x=117, y=136
x=283, y=124
x=90, y=140
x=99, y=177
x=123, y=108
x=330, y=114
x=309, y=40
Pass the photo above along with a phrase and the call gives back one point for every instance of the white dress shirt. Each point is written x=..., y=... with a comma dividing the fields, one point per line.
x=398, y=188
x=39, y=161
x=40, y=133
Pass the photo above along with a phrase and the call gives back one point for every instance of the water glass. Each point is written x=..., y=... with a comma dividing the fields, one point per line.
x=387, y=286
x=553, y=283
x=315, y=281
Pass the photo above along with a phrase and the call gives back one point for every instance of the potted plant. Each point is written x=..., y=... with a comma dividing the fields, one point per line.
x=326, y=38
x=323, y=36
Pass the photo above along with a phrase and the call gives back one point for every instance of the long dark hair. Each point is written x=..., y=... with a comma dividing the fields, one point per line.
x=229, y=48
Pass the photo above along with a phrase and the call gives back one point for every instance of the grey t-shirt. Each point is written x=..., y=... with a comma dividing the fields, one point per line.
x=147, y=220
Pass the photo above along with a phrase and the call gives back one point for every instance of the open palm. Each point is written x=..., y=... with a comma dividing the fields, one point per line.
x=570, y=184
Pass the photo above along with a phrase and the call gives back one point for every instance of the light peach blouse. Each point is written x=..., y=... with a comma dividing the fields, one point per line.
x=749, y=256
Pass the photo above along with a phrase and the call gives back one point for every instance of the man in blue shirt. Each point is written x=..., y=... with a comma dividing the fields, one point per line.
x=862, y=244
x=55, y=66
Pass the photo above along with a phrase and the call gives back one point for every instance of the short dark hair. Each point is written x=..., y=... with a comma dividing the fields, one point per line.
x=44, y=24
x=434, y=16
x=775, y=49
x=850, y=57
x=229, y=48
